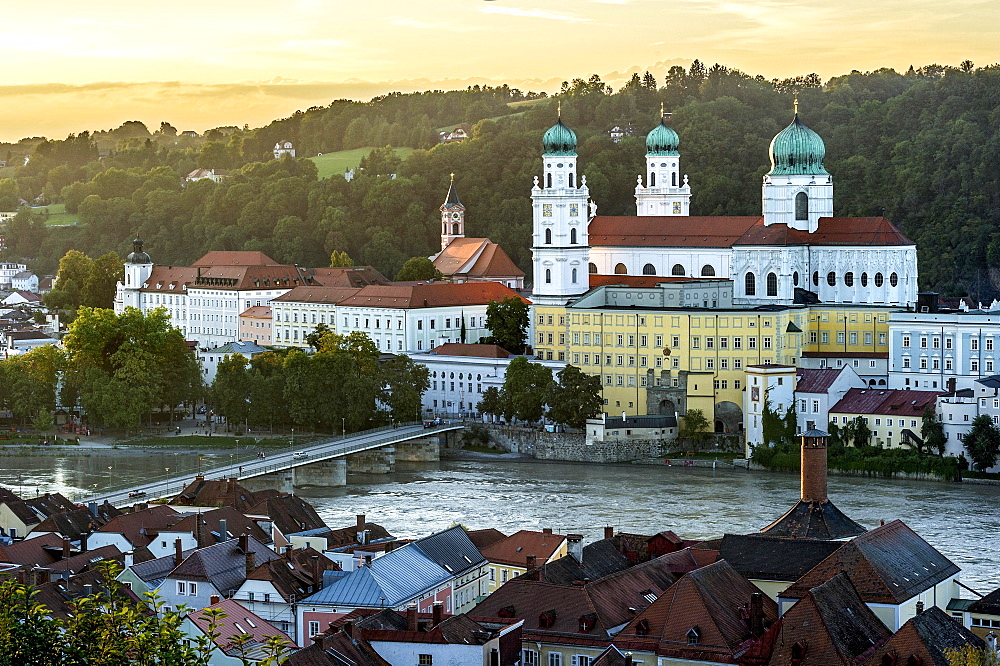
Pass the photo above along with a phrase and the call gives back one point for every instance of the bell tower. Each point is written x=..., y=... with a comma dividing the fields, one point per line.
x=138, y=267
x=666, y=191
x=798, y=190
x=452, y=216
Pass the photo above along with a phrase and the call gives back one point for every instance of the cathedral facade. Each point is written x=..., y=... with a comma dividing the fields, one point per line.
x=795, y=251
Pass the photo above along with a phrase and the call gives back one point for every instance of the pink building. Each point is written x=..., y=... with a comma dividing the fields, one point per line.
x=255, y=325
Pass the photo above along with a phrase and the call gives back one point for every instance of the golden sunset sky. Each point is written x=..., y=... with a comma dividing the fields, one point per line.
x=68, y=66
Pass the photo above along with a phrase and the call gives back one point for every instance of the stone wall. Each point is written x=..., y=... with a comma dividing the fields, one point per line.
x=573, y=446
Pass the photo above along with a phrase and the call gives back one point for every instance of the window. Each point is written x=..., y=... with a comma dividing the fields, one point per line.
x=893, y=279
x=849, y=279
x=906, y=341
x=649, y=269
x=181, y=588
x=693, y=636
x=425, y=660
x=592, y=268
x=548, y=237
x=574, y=274
x=555, y=659
x=548, y=276
x=989, y=344
x=677, y=270
x=801, y=206
x=529, y=658
x=572, y=236
x=580, y=660
x=708, y=270
x=750, y=284
x=906, y=361
x=313, y=628
x=620, y=269
x=772, y=284
x=974, y=344
x=879, y=279
x=831, y=278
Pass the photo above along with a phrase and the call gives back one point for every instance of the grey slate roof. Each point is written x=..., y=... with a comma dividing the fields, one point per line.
x=156, y=570
x=762, y=557
x=600, y=559
x=452, y=550
x=814, y=520
x=222, y=564
x=239, y=348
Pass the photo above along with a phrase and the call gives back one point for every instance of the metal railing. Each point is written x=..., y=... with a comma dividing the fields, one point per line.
x=276, y=461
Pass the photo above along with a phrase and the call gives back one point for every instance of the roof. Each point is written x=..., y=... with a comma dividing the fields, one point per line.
x=38, y=551
x=50, y=504
x=600, y=559
x=484, y=538
x=236, y=523
x=289, y=514
x=451, y=549
x=515, y=549
x=153, y=571
x=463, y=349
x=988, y=605
x=29, y=296
x=337, y=649
x=639, y=280
x=391, y=626
x=170, y=279
x=140, y=527
x=252, y=277
x=891, y=402
x=234, y=258
x=888, y=564
x=238, y=621
x=316, y=294
x=21, y=509
x=58, y=595
x=831, y=231
x=84, y=561
x=760, y=557
x=836, y=354
x=224, y=565
x=294, y=575
x=812, y=519
x=430, y=295
x=833, y=622
x=73, y=524
x=348, y=276
x=561, y=608
x=927, y=636
x=219, y=492
x=238, y=348
x=476, y=257
x=257, y=312
x=650, y=421
x=815, y=380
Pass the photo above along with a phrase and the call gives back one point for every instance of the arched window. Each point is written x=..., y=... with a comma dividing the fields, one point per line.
x=795, y=278
x=772, y=284
x=864, y=279
x=831, y=279
x=750, y=282
x=572, y=236
x=707, y=271
x=548, y=276
x=893, y=279
x=649, y=269
x=454, y=229
x=801, y=206
x=815, y=278
x=652, y=179
x=574, y=276
x=592, y=268
x=548, y=237
x=677, y=270
x=879, y=279
x=548, y=180
x=620, y=269
x=849, y=279
x=571, y=181
x=673, y=179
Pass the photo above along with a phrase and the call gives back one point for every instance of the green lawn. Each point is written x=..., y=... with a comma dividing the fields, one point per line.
x=58, y=217
x=335, y=164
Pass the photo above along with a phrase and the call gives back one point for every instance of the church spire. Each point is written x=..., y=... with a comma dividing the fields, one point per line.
x=452, y=216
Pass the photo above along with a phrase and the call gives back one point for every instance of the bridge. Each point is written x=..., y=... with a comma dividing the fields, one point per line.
x=324, y=463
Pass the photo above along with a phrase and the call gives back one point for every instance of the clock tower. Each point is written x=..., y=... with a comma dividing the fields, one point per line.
x=452, y=217
x=666, y=191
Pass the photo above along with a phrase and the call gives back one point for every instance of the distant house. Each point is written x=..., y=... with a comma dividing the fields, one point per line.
x=460, y=133
x=283, y=148
x=619, y=132
x=45, y=284
x=26, y=298
x=521, y=551
x=7, y=273
x=214, y=175
x=255, y=324
x=619, y=428
x=240, y=637
x=190, y=134
x=210, y=360
x=21, y=342
x=923, y=640
x=25, y=281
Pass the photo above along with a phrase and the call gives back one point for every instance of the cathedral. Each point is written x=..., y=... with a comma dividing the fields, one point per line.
x=795, y=251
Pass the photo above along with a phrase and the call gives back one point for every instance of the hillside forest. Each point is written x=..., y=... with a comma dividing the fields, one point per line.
x=919, y=147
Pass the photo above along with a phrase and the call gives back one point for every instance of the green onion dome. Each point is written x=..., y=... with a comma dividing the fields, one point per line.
x=559, y=140
x=662, y=140
x=137, y=256
x=797, y=150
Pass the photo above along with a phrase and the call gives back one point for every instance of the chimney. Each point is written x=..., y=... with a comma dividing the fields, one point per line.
x=141, y=506
x=244, y=542
x=574, y=546
x=251, y=561
x=65, y=547
x=348, y=629
x=609, y=532
x=42, y=576
x=756, y=614
x=92, y=507
x=199, y=542
x=363, y=537
x=361, y=522
x=628, y=659
x=367, y=561
x=223, y=531
x=813, y=479
x=129, y=558
x=411, y=617
x=178, y=552
x=214, y=599
x=920, y=607
x=546, y=530
x=532, y=562
x=437, y=613
x=83, y=543
x=288, y=552
x=317, y=572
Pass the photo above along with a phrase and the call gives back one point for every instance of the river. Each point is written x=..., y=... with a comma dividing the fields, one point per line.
x=960, y=520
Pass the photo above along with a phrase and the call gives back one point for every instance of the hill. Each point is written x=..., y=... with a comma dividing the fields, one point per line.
x=335, y=164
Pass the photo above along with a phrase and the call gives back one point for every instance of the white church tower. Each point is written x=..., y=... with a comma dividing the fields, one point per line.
x=452, y=217
x=665, y=192
x=559, y=248
x=798, y=190
x=138, y=267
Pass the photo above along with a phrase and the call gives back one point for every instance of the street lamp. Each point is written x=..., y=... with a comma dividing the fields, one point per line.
x=343, y=427
x=109, y=475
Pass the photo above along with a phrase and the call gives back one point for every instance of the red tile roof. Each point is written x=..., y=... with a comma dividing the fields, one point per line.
x=831, y=231
x=238, y=621
x=479, y=351
x=891, y=402
x=140, y=527
x=476, y=257
x=239, y=258
x=515, y=549
x=258, y=311
x=430, y=295
x=348, y=276
x=314, y=294
x=814, y=380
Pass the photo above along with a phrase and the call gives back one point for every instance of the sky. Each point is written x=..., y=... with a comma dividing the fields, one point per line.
x=71, y=66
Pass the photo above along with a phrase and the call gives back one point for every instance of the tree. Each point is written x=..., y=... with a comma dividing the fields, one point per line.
x=774, y=428
x=339, y=259
x=74, y=271
x=983, y=442
x=491, y=402
x=575, y=397
x=968, y=655
x=932, y=431
x=508, y=322
x=525, y=388
x=694, y=427
x=230, y=391
x=418, y=268
x=100, y=285
x=405, y=383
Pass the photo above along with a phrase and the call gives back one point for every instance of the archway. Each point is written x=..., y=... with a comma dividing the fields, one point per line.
x=729, y=415
x=667, y=407
x=620, y=269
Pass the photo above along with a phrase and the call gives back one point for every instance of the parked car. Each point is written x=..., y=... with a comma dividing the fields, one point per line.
x=137, y=493
x=300, y=454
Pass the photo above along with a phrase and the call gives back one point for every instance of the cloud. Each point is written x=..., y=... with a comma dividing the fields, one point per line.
x=531, y=13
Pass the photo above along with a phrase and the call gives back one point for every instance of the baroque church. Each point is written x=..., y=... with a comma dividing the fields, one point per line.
x=795, y=251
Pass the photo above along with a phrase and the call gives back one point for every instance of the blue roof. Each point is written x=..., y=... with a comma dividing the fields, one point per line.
x=390, y=580
x=239, y=348
x=452, y=549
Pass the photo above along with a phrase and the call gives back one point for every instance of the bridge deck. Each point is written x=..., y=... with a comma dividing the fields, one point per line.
x=277, y=462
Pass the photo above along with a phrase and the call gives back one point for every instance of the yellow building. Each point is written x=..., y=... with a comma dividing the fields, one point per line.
x=513, y=556
x=683, y=345
x=890, y=414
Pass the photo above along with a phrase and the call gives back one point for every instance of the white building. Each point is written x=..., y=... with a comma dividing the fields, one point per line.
x=283, y=148
x=796, y=245
x=7, y=273
x=766, y=383
x=210, y=359
x=25, y=281
x=296, y=314
x=461, y=373
x=957, y=411
x=817, y=390
x=943, y=350
x=214, y=175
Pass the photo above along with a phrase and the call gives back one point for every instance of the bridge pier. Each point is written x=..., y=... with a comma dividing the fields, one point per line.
x=326, y=473
x=419, y=450
x=283, y=481
x=375, y=461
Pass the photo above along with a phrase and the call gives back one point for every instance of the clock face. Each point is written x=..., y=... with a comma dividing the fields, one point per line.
x=677, y=208
x=456, y=216
x=546, y=210
x=574, y=210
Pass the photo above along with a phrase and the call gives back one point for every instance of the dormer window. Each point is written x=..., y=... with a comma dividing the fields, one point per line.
x=798, y=653
x=587, y=622
x=693, y=636
x=642, y=627
x=547, y=620
x=889, y=659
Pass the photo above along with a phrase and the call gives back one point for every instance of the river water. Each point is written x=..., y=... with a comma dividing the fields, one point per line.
x=960, y=520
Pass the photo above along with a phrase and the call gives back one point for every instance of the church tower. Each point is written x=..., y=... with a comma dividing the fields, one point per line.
x=138, y=267
x=798, y=190
x=560, y=215
x=452, y=217
x=666, y=192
